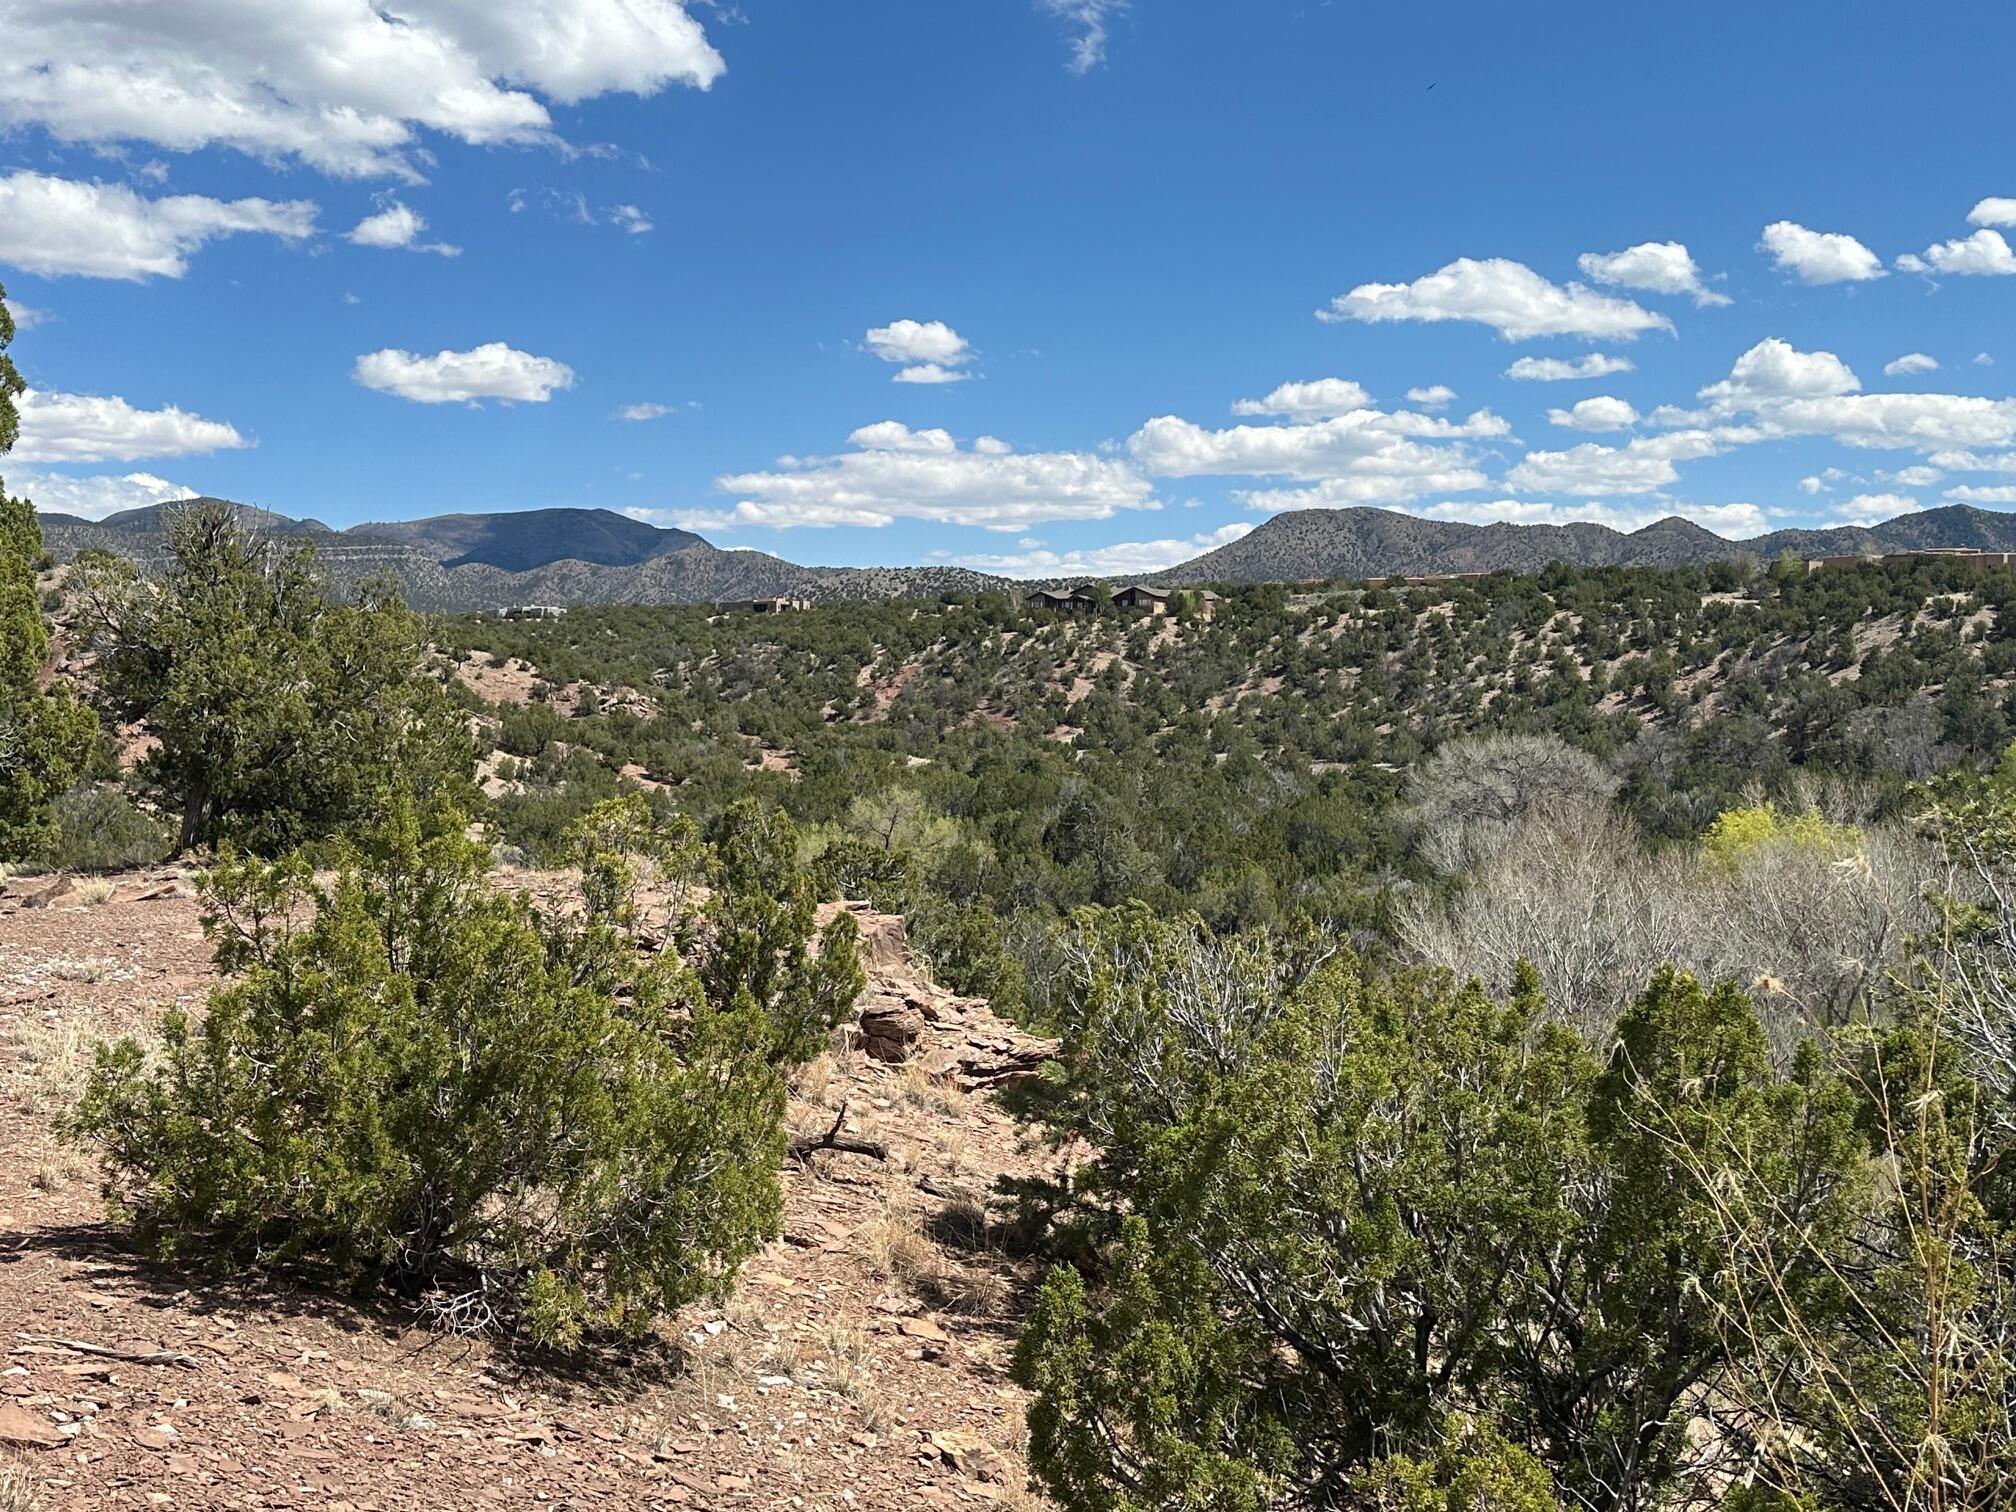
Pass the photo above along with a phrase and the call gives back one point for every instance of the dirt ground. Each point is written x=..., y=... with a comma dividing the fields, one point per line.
x=861, y=1364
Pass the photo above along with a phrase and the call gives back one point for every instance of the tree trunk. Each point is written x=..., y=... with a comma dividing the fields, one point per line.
x=194, y=808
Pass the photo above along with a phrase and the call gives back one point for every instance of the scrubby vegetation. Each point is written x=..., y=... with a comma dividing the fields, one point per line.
x=1525, y=1043
x=417, y=1079
x=277, y=712
x=1520, y=1021
x=45, y=734
x=990, y=768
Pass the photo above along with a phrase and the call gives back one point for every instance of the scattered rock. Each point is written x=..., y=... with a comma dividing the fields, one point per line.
x=159, y=1436
x=23, y=1429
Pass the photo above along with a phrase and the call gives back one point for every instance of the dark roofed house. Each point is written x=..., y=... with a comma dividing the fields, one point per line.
x=1077, y=600
x=1144, y=596
x=1148, y=598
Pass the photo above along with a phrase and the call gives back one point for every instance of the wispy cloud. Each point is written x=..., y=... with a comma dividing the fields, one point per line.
x=1091, y=19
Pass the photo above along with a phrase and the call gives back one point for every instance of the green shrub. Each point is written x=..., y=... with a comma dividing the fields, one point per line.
x=45, y=734
x=964, y=944
x=522, y=1120
x=851, y=867
x=101, y=829
x=1348, y=1211
x=280, y=712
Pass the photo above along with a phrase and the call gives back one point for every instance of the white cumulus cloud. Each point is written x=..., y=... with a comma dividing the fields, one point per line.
x=1875, y=508
x=1910, y=363
x=1993, y=212
x=1655, y=267
x=105, y=428
x=1967, y=493
x=1775, y=369
x=1562, y=369
x=646, y=411
x=1318, y=396
x=1602, y=413
x=1434, y=396
x=1591, y=470
x=1365, y=456
x=929, y=372
x=930, y=350
x=345, y=86
x=1507, y=296
x=917, y=341
x=1779, y=392
x=57, y=226
x=93, y=498
x=894, y=435
x=1961, y=460
x=898, y=473
x=1818, y=257
x=491, y=371
x=397, y=226
x=1984, y=253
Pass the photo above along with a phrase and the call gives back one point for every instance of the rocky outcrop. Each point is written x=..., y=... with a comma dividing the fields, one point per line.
x=890, y=1027
x=904, y=1016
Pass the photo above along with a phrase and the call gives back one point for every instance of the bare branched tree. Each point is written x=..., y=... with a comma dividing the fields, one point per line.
x=1463, y=801
x=1809, y=931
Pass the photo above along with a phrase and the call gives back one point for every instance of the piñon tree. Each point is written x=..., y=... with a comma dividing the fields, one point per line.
x=45, y=735
x=280, y=711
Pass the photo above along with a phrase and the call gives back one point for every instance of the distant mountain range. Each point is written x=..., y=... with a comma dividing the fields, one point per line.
x=539, y=556
x=595, y=556
x=1357, y=543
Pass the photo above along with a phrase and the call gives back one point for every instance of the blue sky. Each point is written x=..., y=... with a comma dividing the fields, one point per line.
x=1175, y=266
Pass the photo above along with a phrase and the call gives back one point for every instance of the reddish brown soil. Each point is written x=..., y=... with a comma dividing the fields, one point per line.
x=860, y=1365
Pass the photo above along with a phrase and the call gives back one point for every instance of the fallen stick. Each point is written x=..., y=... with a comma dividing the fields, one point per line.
x=107, y=1352
x=803, y=1145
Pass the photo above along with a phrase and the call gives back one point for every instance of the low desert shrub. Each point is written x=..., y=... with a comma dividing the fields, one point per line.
x=562, y=1123
x=101, y=829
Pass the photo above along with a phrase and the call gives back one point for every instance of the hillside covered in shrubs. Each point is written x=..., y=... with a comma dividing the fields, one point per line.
x=1527, y=1042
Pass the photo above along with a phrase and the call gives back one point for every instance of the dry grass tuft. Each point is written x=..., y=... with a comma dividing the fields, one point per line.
x=18, y=1489
x=57, y=1172
x=897, y=1245
x=93, y=971
x=920, y=1088
x=402, y=1415
x=46, y=1063
x=90, y=892
x=848, y=1358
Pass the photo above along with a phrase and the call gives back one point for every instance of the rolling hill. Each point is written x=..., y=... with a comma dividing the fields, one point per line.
x=594, y=556
x=1333, y=543
x=524, y=540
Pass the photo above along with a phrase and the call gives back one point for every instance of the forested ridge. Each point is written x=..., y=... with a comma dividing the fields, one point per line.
x=1262, y=750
